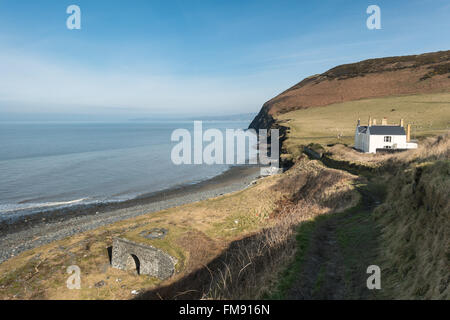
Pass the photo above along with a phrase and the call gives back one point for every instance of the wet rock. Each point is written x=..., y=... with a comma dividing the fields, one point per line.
x=155, y=233
x=100, y=284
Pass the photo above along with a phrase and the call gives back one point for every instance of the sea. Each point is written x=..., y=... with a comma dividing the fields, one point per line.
x=51, y=165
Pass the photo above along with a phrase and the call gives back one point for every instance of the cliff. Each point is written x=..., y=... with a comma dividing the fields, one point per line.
x=425, y=73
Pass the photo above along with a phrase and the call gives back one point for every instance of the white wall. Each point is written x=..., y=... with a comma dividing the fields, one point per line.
x=370, y=143
x=411, y=145
x=361, y=141
x=358, y=138
x=397, y=142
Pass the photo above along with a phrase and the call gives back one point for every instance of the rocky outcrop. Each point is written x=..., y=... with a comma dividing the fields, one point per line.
x=263, y=119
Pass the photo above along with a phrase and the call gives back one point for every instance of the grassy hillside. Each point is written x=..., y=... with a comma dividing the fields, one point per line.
x=197, y=232
x=415, y=221
x=213, y=240
x=374, y=78
x=429, y=114
x=402, y=221
x=310, y=218
x=315, y=218
x=401, y=224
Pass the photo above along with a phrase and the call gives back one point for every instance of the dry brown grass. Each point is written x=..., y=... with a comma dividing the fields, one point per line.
x=416, y=224
x=224, y=259
x=413, y=249
x=431, y=148
x=199, y=233
x=341, y=152
x=415, y=218
x=251, y=267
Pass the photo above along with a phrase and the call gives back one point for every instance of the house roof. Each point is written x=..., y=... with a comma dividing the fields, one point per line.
x=387, y=130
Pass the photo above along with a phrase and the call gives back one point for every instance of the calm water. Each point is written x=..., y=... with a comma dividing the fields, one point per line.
x=49, y=165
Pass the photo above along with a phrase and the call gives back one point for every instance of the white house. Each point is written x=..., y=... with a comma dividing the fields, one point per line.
x=384, y=137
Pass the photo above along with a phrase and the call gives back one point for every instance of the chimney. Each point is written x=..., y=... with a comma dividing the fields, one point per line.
x=370, y=121
x=408, y=133
x=402, y=123
x=374, y=122
x=359, y=122
x=384, y=121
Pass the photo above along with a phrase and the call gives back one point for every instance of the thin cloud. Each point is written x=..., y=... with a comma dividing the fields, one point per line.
x=31, y=80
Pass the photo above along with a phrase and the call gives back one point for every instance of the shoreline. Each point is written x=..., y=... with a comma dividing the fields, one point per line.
x=42, y=228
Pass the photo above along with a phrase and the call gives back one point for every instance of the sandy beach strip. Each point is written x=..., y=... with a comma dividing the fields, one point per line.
x=42, y=228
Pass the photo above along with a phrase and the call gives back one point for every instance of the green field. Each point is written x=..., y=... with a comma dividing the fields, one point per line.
x=429, y=114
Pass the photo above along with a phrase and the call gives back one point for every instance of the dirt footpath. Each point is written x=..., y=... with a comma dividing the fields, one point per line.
x=342, y=247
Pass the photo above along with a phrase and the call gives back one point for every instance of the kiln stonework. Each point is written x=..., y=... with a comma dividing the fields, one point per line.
x=148, y=260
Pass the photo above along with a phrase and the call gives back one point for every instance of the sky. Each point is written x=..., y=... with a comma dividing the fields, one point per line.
x=189, y=57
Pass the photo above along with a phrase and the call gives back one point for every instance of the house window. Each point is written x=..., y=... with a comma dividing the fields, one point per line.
x=387, y=147
x=387, y=139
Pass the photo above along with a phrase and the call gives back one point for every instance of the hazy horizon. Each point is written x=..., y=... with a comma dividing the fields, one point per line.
x=67, y=117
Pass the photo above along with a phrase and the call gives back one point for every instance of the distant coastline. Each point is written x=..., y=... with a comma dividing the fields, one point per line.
x=234, y=117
